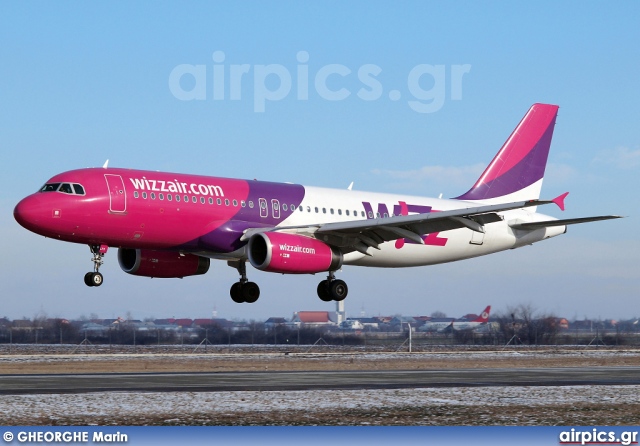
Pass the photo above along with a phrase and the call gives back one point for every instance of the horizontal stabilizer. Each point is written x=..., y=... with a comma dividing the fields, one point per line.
x=567, y=221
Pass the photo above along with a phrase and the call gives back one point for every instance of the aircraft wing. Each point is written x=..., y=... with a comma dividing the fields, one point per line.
x=568, y=221
x=359, y=235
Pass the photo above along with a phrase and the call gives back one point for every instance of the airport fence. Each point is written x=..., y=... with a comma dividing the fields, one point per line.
x=258, y=334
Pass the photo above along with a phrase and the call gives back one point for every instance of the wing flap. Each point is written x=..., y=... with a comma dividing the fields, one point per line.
x=568, y=221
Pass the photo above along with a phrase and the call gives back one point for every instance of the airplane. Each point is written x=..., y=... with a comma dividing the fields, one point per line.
x=169, y=225
x=445, y=324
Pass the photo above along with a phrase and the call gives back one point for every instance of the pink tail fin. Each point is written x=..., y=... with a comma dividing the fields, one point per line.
x=521, y=161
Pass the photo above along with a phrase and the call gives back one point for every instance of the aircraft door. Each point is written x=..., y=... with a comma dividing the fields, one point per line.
x=117, y=196
x=264, y=210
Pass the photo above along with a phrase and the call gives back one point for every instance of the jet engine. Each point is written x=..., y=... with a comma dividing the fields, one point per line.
x=292, y=254
x=165, y=264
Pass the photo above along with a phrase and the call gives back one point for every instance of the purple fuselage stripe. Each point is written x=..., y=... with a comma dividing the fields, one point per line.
x=226, y=237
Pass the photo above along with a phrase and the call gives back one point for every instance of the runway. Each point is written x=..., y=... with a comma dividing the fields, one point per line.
x=315, y=380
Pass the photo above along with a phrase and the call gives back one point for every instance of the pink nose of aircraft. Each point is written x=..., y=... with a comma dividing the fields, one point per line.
x=29, y=212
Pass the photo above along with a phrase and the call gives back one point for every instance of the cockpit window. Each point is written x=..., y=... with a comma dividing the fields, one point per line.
x=51, y=187
x=65, y=188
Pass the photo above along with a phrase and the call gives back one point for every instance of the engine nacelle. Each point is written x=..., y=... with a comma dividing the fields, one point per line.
x=292, y=254
x=164, y=264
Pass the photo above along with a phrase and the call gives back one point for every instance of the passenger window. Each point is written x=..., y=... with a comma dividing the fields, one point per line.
x=243, y=203
x=169, y=197
x=339, y=211
x=210, y=200
x=226, y=202
x=202, y=200
x=194, y=199
x=177, y=197
x=153, y=195
x=135, y=194
x=331, y=210
x=144, y=195
x=251, y=204
x=78, y=189
x=370, y=214
x=347, y=212
x=161, y=196
x=235, y=203
x=284, y=206
x=218, y=201
x=324, y=210
x=186, y=198
x=316, y=210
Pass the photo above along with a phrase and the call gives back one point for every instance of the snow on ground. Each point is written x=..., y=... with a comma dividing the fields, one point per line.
x=181, y=404
x=21, y=357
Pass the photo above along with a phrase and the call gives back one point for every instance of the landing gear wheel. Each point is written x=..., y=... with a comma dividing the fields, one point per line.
x=323, y=291
x=332, y=289
x=250, y=292
x=236, y=293
x=93, y=279
x=96, y=279
x=338, y=290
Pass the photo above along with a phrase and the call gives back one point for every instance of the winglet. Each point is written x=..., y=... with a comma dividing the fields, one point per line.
x=559, y=200
x=106, y=163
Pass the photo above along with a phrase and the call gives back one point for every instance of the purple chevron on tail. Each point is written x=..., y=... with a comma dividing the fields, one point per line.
x=518, y=168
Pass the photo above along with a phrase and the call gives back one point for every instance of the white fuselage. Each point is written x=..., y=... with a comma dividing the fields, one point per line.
x=321, y=205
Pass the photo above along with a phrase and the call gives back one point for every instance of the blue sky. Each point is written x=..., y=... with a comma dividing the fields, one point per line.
x=83, y=82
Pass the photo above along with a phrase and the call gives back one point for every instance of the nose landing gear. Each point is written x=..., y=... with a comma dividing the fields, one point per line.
x=95, y=278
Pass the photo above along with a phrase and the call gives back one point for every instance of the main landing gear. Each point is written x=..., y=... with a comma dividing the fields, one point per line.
x=243, y=290
x=95, y=278
x=332, y=289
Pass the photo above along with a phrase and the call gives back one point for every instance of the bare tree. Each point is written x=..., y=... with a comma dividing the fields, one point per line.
x=522, y=322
